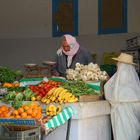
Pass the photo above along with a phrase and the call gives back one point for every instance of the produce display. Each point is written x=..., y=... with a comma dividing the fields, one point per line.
x=14, y=84
x=52, y=110
x=25, y=111
x=18, y=95
x=77, y=88
x=8, y=75
x=44, y=87
x=38, y=102
x=59, y=95
x=90, y=72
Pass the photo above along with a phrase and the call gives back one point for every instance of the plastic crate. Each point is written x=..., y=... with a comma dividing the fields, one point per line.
x=31, y=134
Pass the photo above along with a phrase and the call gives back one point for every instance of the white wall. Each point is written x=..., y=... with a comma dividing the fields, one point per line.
x=25, y=18
x=26, y=30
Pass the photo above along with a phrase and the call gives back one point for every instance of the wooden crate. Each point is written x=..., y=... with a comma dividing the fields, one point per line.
x=89, y=98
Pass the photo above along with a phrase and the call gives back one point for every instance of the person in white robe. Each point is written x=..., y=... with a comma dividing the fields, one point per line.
x=122, y=91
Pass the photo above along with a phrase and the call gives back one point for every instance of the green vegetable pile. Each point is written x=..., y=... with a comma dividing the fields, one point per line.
x=16, y=104
x=26, y=95
x=16, y=89
x=7, y=75
x=77, y=88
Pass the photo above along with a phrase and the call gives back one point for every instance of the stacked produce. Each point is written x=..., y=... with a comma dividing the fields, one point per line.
x=44, y=87
x=90, y=72
x=14, y=84
x=32, y=110
x=18, y=94
x=59, y=95
x=77, y=88
x=8, y=75
x=53, y=110
x=4, y=111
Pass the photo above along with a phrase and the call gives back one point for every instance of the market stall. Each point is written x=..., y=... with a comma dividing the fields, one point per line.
x=71, y=109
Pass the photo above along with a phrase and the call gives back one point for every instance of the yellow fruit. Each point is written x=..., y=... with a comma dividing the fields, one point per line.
x=38, y=98
x=48, y=113
x=44, y=99
x=58, y=109
x=61, y=102
x=51, y=107
x=53, y=99
x=47, y=108
x=33, y=98
x=47, y=101
x=51, y=91
x=53, y=113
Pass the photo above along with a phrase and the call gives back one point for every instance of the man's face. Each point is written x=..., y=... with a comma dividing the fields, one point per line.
x=65, y=45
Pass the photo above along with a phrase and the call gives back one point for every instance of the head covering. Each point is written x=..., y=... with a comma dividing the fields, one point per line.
x=74, y=47
x=125, y=58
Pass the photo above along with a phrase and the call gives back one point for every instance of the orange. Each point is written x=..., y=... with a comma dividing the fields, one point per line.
x=29, y=111
x=3, y=108
x=17, y=116
x=0, y=112
x=34, y=114
x=24, y=115
x=11, y=116
x=20, y=110
x=38, y=116
x=15, y=112
x=40, y=109
x=29, y=116
x=33, y=104
x=35, y=111
x=26, y=107
x=16, y=84
x=6, y=115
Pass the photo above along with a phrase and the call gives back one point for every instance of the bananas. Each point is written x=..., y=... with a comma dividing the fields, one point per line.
x=59, y=95
x=52, y=110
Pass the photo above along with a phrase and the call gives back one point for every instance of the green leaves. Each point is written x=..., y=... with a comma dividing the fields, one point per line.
x=16, y=104
x=77, y=88
x=28, y=94
x=18, y=95
x=7, y=75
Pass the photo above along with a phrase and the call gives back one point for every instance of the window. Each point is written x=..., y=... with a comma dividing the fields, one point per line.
x=65, y=17
x=112, y=16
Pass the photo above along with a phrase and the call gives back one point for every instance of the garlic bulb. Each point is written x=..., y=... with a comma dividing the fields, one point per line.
x=86, y=72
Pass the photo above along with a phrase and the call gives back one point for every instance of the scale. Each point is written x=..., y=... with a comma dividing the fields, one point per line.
x=35, y=70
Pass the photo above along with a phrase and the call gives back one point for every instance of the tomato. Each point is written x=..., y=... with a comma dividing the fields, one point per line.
x=31, y=87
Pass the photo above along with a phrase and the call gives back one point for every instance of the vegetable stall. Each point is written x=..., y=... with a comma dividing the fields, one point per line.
x=69, y=108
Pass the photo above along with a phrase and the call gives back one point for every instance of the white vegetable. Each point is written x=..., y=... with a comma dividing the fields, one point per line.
x=86, y=72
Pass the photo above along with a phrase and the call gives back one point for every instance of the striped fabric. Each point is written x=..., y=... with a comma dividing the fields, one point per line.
x=60, y=118
x=31, y=81
x=95, y=86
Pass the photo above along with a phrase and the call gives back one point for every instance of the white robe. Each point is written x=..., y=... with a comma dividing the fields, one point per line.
x=123, y=93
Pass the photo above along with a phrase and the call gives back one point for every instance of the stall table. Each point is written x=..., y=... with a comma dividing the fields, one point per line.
x=91, y=121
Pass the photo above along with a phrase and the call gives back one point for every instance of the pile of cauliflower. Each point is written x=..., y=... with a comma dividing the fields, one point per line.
x=90, y=72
